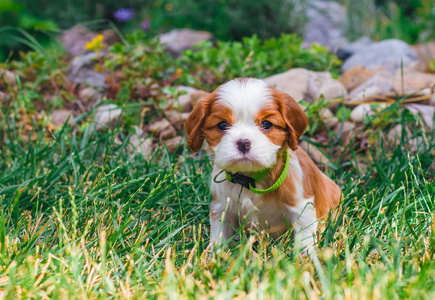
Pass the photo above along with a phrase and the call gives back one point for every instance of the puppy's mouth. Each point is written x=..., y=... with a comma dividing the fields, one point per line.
x=243, y=164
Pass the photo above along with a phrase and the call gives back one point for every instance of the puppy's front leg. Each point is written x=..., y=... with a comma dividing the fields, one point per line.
x=304, y=220
x=223, y=222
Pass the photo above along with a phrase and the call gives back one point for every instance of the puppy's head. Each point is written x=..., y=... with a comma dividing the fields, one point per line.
x=246, y=123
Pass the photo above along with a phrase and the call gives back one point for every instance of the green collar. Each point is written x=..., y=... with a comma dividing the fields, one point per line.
x=249, y=182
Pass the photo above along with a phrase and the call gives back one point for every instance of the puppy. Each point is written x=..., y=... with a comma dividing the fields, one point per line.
x=261, y=179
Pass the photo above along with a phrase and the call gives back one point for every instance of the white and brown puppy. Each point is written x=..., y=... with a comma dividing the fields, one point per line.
x=262, y=180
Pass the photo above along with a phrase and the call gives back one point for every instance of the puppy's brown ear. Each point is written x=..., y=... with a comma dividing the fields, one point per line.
x=195, y=122
x=294, y=116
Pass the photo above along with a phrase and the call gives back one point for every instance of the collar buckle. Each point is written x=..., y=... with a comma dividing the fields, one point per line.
x=241, y=179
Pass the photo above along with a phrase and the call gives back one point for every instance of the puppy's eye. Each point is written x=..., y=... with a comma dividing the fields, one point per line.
x=266, y=125
x=222, y=126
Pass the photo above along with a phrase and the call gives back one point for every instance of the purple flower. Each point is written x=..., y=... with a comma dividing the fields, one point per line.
x=145, y=25
x=124, y=14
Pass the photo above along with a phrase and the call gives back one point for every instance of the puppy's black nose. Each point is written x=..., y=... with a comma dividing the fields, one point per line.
x=244, y=145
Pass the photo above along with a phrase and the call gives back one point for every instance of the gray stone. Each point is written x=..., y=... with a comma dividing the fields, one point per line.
x=363, y=110
x=158, y=125
x=426, y=52
x=3, y=96
x=314, y=152
x=184, y=102
x=173, y=143
x=293, y=82
x=344, y=132
x=322, y=84
x=388, y=53
x=140, y=144
x=328, y=117
x=355, y=76
x=309, y=85
x=106, y=115
x=412, y=82
x=426, y=112
x=74, y=40
x=380, y=83
x=196, y=96
x=349, y=48
x=82, y=71
x=177, y=40
x=7, y=78
x=326, y=20
x=395, y=134
x=89, y=94
x=59, y=117
x=176, y=118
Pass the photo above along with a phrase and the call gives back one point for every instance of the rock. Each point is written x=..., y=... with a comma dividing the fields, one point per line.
x=195, y=96
x=304, y=84
x=7, y=79
x=314, y=152
x=158, y=125
x=82, y=71
x=416, y=143
x=367, y=94
x=184, y=101
x=177, y=40
x=426, y=52
x=409, y=83
x=173, y=143
x=140, y=144
x=395, y=134
x=328, y=117
x=293, y=82
x=59, y=117
x=348, y=49
x=106, y=115
x=344, y=131
x=380, y=83
x=322, y=83
x=326, y=21
x=74, y=40
x=176, y=118
x=167, y=133
x=388, y=53
x=162, y=128
x=355, y=76
x=111, y=37
x=426, y=112
x=363, y=110
x=89, y=94
x=2, y=96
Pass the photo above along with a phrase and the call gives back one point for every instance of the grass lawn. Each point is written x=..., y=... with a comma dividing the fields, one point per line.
x=82, y=217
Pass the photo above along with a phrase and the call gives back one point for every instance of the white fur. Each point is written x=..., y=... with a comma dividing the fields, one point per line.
x=234, y=207
x=245, y=98
x=260, y=212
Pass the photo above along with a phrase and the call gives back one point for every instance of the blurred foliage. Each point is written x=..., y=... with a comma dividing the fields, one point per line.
x=140, y=73
x=234, y=19
x=20, y=29
x=226, y=19
x=252, y=57
x=409, y=20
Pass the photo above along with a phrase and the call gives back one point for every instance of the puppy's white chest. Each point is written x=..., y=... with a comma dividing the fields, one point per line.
x=251, y=211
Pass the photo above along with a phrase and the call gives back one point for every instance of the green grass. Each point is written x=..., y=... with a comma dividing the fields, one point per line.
x=81, y=217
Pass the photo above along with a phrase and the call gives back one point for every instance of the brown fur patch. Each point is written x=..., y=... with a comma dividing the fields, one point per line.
x=278, y=133
x=326, y=193
x=293, y=115
x=218, y=113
